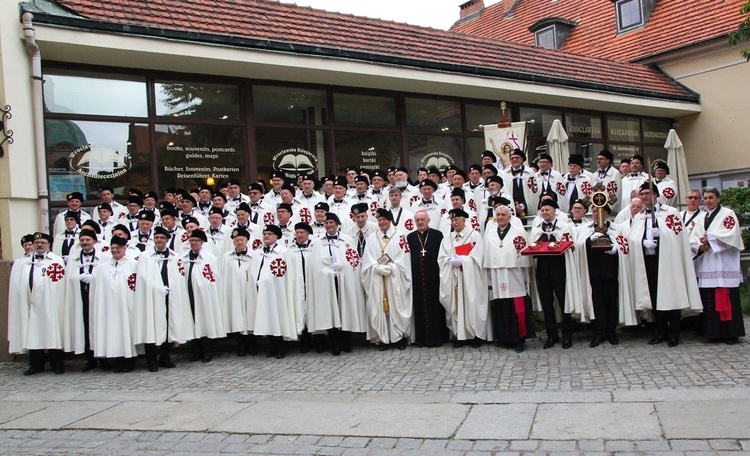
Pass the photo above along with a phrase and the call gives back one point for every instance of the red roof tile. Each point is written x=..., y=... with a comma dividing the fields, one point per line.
x=307, y=30
x=673, y=24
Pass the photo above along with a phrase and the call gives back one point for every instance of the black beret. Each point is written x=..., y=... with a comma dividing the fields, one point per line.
x=428, y=183
x=334, y=217
x=433, y=170
x=379, y=173
x=352, y=168
x=135, y=191
x=216, y=210
x=89, y=233
x=135, y=199
x=117, y=240
x=40, y=235
x=74, y=215
x=303, y=226
x=233, y=182
x=637, y=157
x=219, y=195
x=167, y=205
x=256, y=187
x=151, y=195
x=489, y=154
x=27, y=238
x=187, y=220
x=147, y=215
x=496, y=179
x=287, y=187
x=199, y=234
x=205, y=187
x=340, y=182
x=279, y=174
x=385, y=214
x=662, y=165
x=284, y=206
x=475, y=167
x=650, y=186
x=544, y=156
x=491, y=167
x=162, y=230
x=549, y=202
x=495, y=200
x=75, y=195
x=453, y=213
x=518, y=152
x=461, y=173
x=458, y=192
x=322, y=207
x=402, y=168
x=361, y=178
x=358, y=208
x=105, y=188
x=606, y=154
x=168, y=212
x=170, y=191
x=123, y=228
x=106, y=207
x=273, y=229
x=92, y=225
x=243, y=206
x=188, y=197
x=240, y=231
x=576, y=159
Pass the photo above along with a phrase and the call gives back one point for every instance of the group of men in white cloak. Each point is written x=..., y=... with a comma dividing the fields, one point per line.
x=349, y=265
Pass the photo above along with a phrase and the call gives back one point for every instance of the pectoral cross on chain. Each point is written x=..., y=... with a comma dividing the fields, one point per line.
x=423, y=251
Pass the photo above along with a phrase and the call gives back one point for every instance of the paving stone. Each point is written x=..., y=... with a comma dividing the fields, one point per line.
x=491, y=445
x=652, y=445
x=235, y=438
x=463, y=445
x=382, y=442
x=408, y=444
x=727, y=417
x=690, y=445
x=355, y=452
x=618, y=445
x=725, y=445
x=259, y=439
x=354, y=442
x=434, y=444
x=330, y=451
x=524, y=445
x=591, y=445
x=557, y=445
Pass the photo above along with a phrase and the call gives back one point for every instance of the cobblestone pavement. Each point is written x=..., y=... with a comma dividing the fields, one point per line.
x=416, y=375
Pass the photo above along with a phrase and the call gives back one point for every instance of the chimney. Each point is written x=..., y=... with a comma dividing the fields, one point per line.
x=471, y=7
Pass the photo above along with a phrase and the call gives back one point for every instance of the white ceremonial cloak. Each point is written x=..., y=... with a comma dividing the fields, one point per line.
x=35, y=317
x=612, y=181
x=111, y=308
x=238, y=290
x=403, y=220
x=678, y=288
x=574, y=301
x=298, y=274
x=463, y=290
x=629, y=184
x=219, y=243
x=74, y=333
x=207, y=316
x=472, y=221
x=508, y=269
x=627, y=314
x=396, y=324
x=155, y=322
x=668, y=193
x=530, y=187
x=274, y=308
x=58, y=226
x=325, y=308
x=720, y=266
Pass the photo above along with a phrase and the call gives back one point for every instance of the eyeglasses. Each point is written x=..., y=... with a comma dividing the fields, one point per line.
x=693, y=197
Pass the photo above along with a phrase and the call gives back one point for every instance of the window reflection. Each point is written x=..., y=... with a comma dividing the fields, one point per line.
x=433, y=115
x=208, y=101
x=367, y=150
x=439, y=151
x=289, y=105
x=71, y=92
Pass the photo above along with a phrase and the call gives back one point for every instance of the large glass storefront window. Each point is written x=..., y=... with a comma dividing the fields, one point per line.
x=189, y=156
x=289, y=105
x=199, y=100
x=438, y=151
x=369, y=110
x=367, y=150
x=292, y=152
x=424, y=114
x=97, y=94
x=82, y=156
x=477, y=115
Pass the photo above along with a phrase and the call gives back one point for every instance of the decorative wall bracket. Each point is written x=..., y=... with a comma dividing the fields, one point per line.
x=7, y=134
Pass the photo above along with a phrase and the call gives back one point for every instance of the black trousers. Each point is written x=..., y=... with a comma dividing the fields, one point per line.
x=667, y=321
x=37, y=358
x=548, y=289
x=202, y=347
x=604, y=293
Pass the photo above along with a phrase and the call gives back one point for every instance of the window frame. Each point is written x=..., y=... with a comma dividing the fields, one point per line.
x=618, y=12
x=549, y=28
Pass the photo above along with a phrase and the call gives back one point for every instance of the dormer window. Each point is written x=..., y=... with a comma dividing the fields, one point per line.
x=551, y=32
x=631, y=14
x=546, y=37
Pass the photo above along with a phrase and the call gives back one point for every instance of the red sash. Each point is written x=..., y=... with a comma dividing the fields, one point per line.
x=723, y=304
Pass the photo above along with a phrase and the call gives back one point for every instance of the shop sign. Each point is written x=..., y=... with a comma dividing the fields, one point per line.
x=100, y=161
x=440, y=160
x=295, y=161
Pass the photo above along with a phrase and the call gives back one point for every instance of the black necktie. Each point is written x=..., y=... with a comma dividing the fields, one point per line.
x=338, y=201
x=331, y=238
x=214, y=231
x=192, y=255
x=70, y=233
x=164, y=273
x=90, y=254
x=424, y=201
x=266, y=250
x=376, y=192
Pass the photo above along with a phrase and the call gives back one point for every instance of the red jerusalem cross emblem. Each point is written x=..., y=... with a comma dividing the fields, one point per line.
x=180, y=268
x=131, y=282
x=586, y=189
x=208, y=273
x=561, y=189
x=623, y=242
x=674, y=223
x=268, y=218
x=473, y=205
x=185, y=237
x=304, y=215
x=278, y=267
x=532, y=185
x=352, y=257
x=256, y=244
x=519, y=243
x=409, y=224
x=729, y=222
x=55, y=272
x=566, y=237
x=612, y=187
x=374, y=208
x=403, y=244
x=668, y=193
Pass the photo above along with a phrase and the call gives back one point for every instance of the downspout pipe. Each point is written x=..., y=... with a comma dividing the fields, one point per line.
x=38, y=113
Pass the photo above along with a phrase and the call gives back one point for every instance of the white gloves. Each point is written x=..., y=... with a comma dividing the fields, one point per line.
x=336, y=267
x=456, y=261
x=649, y=244
x=85, y=278
x=596, y=236
x=383, y=269
x=166, y=290
x=612, y=251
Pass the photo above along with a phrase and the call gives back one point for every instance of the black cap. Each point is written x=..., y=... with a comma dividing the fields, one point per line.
x=287, y=187
x=92, y=225
x=162, y=230
x=518, y=152
x=358, y=208
x=240, y=231
x=151, y=194
x=219, y=195
x=433, y=170
x=106, y=207
x=198, y=234
x=428, y=183
x=340, y=182
x=216, y=210
x=362, y=178
x=606, y=154
x=168, y=212
x=284, y=206
x=322, y=207
x=638, y=157
x=187, y=220
x=135, y=199
x=459, y=192
x=489, y=154
x=475, y=167
x=652, y=186
x=256, y=187
x=123, y=228
x=27, y=238
x=75, y=195
x=87, y=232
x=74, y=215
x=106, y=187
x=244, y=207
x=549, y=202
x=135, y=191
x=491, y=167
x=279, y=174
x=462, y=173
x=303, y=226
x=188, y=197
x=167, y=205
x=453, y=213
x=544, y=156
x=334, y=217
x=40, y=235
x=273, y=229
x=661, y=165
x=117, y=240
x=385, y=214
x=147, y=215
x=497, y=179
x=495, y=200
x=352, y=168
x=576, y=159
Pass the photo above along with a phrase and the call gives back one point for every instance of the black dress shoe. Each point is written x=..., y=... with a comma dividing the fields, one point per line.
x=595, y=342
x=153, y=367
x=336, y=352
x=104, y=364
x=458, y=343
x=657, y=339
x=567, y=343
x=520, y=347
x=673, y=342
x=129, y=366
x=732, y=340
x=195, y=358
x=402, y=344
x=241, y=352
x=382, y=347
x=33, y=370
x=613, y=340
x=476, y=342
x=119, y=369
x=59, y=370
x=166, y=362
x=88, y=366
x=271, y=353
x=551, y=342
x=208, y=358
x=281, y=354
